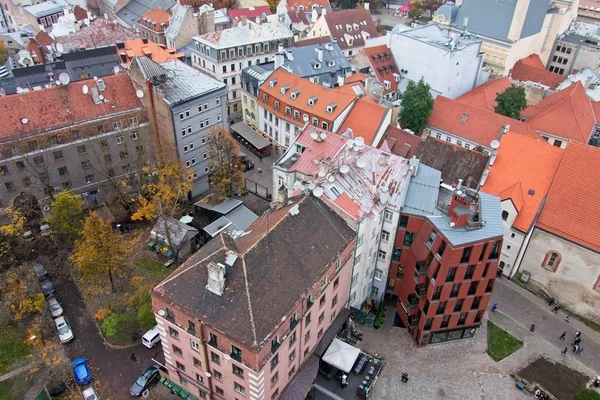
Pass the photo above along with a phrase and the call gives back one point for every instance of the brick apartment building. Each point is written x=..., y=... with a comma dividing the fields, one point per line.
x=242, y=315
x=445, y=266
x=81, y=136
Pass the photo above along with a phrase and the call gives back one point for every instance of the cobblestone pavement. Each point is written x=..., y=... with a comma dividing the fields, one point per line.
x=463, y=370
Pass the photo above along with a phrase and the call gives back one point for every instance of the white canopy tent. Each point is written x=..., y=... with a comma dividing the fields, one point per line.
x=341, y=355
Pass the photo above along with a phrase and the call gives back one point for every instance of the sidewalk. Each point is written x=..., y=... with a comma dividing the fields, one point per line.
x=576, y=324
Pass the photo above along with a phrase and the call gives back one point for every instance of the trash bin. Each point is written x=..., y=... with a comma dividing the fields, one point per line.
x=152, y=245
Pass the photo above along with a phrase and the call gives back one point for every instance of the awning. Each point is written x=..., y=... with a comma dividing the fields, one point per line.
x=302, y=382
x=332, y=331
x=250, y=135
x=341, y=355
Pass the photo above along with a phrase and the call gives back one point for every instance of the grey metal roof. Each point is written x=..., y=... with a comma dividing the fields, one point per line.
x=177, y=16
x=448, y=10
x=183, y=83
x=135, y=9
x=227, y=206
x=302, y=62
x=46, y=8
x=422, y=193
x=237, y=220
x=177, y=231
x=491, y=213
x=493, y=18
x=242, y=217
x=250, y=135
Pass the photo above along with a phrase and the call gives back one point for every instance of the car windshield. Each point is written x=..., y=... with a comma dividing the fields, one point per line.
x=54, y=306
x=62, y=329
x=141, y=381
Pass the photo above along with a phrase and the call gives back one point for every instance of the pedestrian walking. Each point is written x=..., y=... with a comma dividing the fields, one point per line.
x=494, y=307
x=556, y=308
x=562, y=337
x=404, y=377
x=132, y=357
x=577, y=335
x=532, y=328
x=568, y=319
x=579, y=350
x=564, y=352
x=575, y=347
x=577, y=340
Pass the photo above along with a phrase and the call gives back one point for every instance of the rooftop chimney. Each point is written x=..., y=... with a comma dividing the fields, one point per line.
x=459, y=209
x=324, y=167
x=282, y=196
x=216, y=278
x=463, y=118
x=320, y=54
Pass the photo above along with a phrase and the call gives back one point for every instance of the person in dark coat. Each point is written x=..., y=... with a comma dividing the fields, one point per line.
x=562, y=337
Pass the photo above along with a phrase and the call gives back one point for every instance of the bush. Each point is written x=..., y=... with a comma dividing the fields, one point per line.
x=146, y=317
x=587, y=394
x=379, y=318
x=111, y=326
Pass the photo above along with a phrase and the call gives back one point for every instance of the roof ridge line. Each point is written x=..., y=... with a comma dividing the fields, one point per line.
x=190, y=267
x=553, y=107
x=249, y=301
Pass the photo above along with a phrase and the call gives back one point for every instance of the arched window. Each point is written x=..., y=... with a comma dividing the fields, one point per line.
x=505, y=215
x=552, y=261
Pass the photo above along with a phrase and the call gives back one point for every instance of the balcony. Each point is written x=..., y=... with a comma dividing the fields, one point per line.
x=421, y=268
x=412, y=300
x=420, y=291
x=413, y=322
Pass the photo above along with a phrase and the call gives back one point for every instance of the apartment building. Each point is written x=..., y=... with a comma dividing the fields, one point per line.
x=188, y=21
x=287, y=102
x=384, y=68
x=242, y=316
x=186, y=104
x=153, y=24
x=520, y=174
x=576, y=49
x=252, y=78
x=82, y=137
x=224, y=54
x=445, y=264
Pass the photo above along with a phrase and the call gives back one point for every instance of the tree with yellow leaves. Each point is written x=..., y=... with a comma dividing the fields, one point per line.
x=21, y=292
x=227, y=175
x=99, y=250
x=66, y=216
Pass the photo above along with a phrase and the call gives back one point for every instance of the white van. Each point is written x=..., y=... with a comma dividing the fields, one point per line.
x=151, y=337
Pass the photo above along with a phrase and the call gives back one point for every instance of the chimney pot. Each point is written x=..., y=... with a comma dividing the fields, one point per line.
x=216, y=278
x=463, y=118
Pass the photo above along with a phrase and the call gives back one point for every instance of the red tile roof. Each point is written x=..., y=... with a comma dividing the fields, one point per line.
x=481, y=126
x=523, y=172
x=567, y=114
x=365, y=119
x=358, y=77
x=399, y=142
x=310, y=42
x=526, y=72
x=484, y=96
x=571, y=208
x=43, y=38
x=79, y=13
x=338, y=22
x=298, y=17
x=62, y=106
x=307, y=5
x=249, y=13
x=156, y=19
x=533, y=61
x=384, y=65
x=316, y=150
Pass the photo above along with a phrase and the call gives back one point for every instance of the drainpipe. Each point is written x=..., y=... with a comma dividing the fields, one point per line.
x=205, y=360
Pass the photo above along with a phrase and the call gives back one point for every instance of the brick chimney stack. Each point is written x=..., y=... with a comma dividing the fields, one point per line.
x=460, y=207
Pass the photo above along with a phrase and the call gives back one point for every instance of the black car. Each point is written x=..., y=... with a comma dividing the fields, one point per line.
x=47, y=287
x=40, y=271
x=143, y=382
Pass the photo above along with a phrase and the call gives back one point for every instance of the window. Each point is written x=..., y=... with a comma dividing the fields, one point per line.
x=218, y=376
x=454, y=291
x=504, y=215
x=62, y=171
x=9, y=186
x=177, y=350
x=552, y=261
x=236, y=353
x=117, y=125
x=219, y=391
x=293, y=338
x=292, y=355
x=378, y=274
x=214, y=357
x=354, y=279
x=458, y=305
x=321, y=317
x=274, y=361
x=26, y=181
x=441, y=307
x=123, y=155
x=469, y=273
x=119, y=139
x=199, y=379
x=274, y=378
x=408, y=238
x=403, y=221
x=21, y=164
x=307, y=336
x=195, y=345
x=475, y=303
x=173, y=332
x=431, y=239
x=381, y=255
x=238, y=371
x=180, y=365
x=451, y=274
x=466, y=255
x=388, y=215
x=307, y=319
x=81, y=149
x=385, y=236
x=85, y=165
x=89, y=179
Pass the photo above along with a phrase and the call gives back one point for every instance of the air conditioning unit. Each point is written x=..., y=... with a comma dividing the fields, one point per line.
x=84, y=195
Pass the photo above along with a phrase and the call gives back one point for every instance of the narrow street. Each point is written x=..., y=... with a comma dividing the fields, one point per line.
x=112, y=370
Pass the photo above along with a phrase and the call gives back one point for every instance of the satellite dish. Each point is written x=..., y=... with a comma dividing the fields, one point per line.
x=344, y=169
x=359, y=141
x=323, y=135
x=64, y=78
x=314, y=135
x=495, y=144
x=318, y=192
x=101, y=97
x=208, y=374
x=311, y=186
x=24, y=121
x=161, y=313
x=19, y=90
x=350, y=143
x=57, y=82
x=331, y=178
x=59, y=47
x=116, y=69
x=139, y=93
x=170, y=74
x=95, y=78
x=360, y=163
x=85, y=89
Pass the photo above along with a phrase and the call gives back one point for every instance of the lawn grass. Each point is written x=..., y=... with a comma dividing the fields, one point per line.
x=558, y=379
x=501, y=344
x=15, y=387
x=12, y=347
x=153, y=267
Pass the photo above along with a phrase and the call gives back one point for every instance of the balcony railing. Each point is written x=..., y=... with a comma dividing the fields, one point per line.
x=413, y=322
x=413, y=300
x=421, y=267
x=274, y=347
x=420, y=291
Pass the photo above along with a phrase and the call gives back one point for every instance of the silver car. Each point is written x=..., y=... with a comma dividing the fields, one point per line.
x=55, y=307
x=65, y=333
x=90, y=394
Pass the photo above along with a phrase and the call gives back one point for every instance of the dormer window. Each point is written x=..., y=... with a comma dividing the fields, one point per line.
x=294, y=94
x=387, y=84
x=348, y=27
x=331, y=63
x=273, y=83
x=285, y=89
x=331, y=107
x=317, y=65
x=300, y=8
x=312, y=100
x=355, y=26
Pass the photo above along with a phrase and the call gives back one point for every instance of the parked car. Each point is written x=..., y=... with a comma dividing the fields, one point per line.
x=40, y=271
x=55, y=307
x=90, y=394
x=151, y=337
x=143, y=382
x=65, y=333
x=47, y=287
x=81, y=371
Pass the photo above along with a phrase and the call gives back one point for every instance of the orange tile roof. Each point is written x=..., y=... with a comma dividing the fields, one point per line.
x=358, y=77
x=337, y=22
x=533, y=61
x=79, y=13
x=596, y=107
x=307, y=89
x=484, y=96
x=571, y=208
x=156, y=19
x=481, y=127
x=62, y=106
x=384, y=65
x=43, y=38
x=567, y=114
x=523, y=166
x=143, y=47
x=365, y=119
x=525, y=72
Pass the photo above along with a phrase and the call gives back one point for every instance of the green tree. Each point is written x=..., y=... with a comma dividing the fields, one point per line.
x=227, y=175
x=587, y=394
x=111, y=325
x=417, y=104
x=100, y=250
x=416, y=9
x=66, y=215
x=511, y=102
x=431, y=6
x=347, y=4
x=3, y=54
